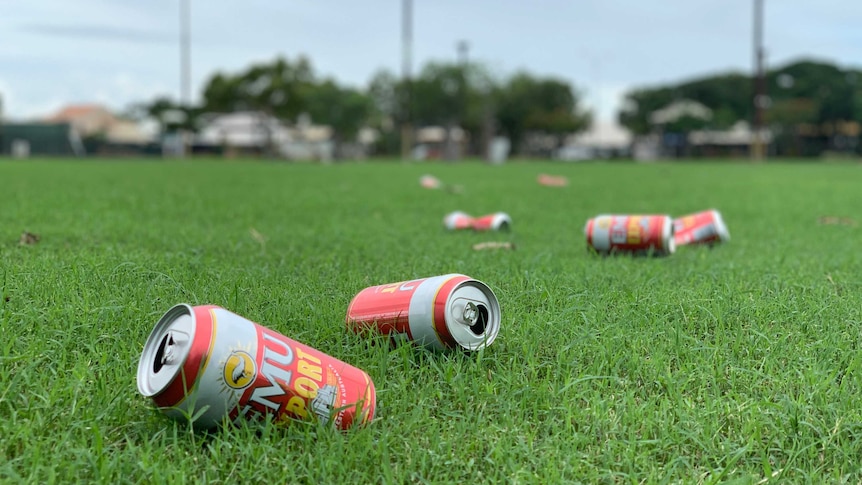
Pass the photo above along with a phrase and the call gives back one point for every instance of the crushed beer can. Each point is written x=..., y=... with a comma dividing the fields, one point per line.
x=631, y=234
x=440, y=312
x=212, y=365
x=430, y=182
x=457, y=220
x=498, y=221
x=706, y=227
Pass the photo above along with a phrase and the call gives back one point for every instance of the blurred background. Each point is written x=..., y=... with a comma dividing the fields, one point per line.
x=412, y=79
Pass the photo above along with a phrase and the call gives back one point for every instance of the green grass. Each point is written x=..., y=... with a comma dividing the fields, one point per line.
x=740, y=363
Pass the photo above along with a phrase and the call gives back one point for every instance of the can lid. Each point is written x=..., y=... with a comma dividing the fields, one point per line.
x=473, y=315
x=451, y=219
x=667, y=232
x=501, y=222
x=166, y=350
x=720, y=227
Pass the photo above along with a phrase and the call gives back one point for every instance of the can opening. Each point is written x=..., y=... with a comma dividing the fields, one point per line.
x=159, y=361
x=481, y=321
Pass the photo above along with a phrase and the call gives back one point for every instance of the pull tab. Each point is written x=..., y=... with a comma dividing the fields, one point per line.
x=471, y=313
x=168, y=350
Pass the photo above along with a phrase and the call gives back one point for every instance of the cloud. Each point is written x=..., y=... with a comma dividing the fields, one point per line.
x=100, y=32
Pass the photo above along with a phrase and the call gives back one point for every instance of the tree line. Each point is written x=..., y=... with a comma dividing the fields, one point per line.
x=811, y=106
x=442, y=94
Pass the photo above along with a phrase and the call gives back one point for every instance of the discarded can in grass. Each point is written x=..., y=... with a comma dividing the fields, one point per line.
x=498, y=221
x=441, y=312
x=706, y=227
x=210, y=365
x=458, y=220
x=430, y=182
x=631, y=234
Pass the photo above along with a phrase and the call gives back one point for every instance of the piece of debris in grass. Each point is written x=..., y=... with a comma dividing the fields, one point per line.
x=833, y=220
x=28, y=238
x=493, y=245
x=260, y=238
x=552, y=180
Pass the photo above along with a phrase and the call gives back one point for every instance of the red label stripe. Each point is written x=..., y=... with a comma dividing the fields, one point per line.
x=184, y=382
x=440, y=300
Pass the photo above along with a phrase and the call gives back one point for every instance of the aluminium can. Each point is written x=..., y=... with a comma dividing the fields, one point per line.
x=705, y=227
x=457, y=220
x=498, y=221
x=441, y=312
x=631, y=234
x=212, y=365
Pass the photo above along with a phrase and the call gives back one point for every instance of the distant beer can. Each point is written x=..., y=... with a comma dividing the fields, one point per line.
x=457, y=220
x=208, y=363
x=705, y=227
x=631, y=234
x=441, y=312
x=498, y=221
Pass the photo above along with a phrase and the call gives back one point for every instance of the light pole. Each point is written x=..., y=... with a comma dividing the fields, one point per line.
x=406, y=67
x=185, y=66
x=759, y=99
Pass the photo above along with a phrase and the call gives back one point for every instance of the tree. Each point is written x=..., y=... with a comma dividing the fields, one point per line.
x=540, y=106
x=275, y=88
x=171, y=115
x=346, y=110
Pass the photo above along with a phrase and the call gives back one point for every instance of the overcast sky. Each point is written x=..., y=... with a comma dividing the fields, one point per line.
x=116, y=52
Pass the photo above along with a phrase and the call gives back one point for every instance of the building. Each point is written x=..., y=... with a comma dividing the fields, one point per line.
x=257, y=133
x=95, y=121
x=22, y=140
x=604, y=139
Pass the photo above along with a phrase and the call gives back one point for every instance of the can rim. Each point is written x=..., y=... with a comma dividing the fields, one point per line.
x=151, y=346
x=720, y=226
x=449, y=219
x=492, y=327
x=667, y=234
x=500, y=220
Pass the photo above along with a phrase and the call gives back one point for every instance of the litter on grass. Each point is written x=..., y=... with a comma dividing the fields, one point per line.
x=505, y=245
x=28, y=239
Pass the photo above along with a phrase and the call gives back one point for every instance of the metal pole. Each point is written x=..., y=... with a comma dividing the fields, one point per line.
x=185, y=65
x=759, y=98
x=406, y=67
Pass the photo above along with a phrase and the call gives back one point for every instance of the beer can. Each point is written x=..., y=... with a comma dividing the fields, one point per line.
x=631, y=234
x=207, y=363
x=457, y=220
x=430, y=182
x=706, y=227
x=440, y=312
x=498, y=221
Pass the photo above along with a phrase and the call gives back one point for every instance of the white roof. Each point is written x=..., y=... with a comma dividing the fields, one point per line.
x=739, y=134
x=243, y=129
x=603, y=134
x=678, y=109
x=437, y=134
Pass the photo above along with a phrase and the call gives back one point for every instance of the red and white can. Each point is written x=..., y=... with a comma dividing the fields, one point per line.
x=705, y=227
x=441, y=312
x=458, y=220
x=498, y=221
x=214, y=365
x=631, y=234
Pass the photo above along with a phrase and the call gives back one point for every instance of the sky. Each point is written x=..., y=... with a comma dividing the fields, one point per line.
x=120, y=52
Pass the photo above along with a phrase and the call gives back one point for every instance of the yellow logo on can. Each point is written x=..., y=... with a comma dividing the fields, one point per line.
x=239, y=370
x=603, y=222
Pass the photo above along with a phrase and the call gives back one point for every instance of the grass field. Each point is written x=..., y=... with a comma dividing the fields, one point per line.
x=742, y=363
